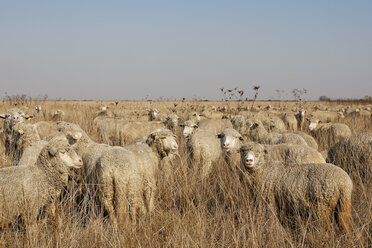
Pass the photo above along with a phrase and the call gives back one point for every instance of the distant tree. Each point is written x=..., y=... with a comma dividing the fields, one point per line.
x=324, y=98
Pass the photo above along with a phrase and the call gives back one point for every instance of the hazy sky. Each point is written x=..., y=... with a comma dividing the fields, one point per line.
x=173, y=49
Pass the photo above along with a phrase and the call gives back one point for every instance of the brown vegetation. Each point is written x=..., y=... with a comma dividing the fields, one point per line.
x=220, y=211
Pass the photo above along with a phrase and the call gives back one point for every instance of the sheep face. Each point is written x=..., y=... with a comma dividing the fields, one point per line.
x=230, y=142
x=252, y=156
x=313, y=123
x=188, y=128
x=169, y=143
x=70, y=158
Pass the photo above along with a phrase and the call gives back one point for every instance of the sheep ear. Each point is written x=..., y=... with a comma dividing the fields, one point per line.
x=195, y=126
x=254, y=125
x=241, y=138
x=3, y=116
x=219, y=135
x=53, y=151
x=29, y=117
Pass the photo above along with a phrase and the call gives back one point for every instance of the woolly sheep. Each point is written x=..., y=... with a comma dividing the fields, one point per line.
x=58, y=115
x=326, y=116
x=215, y=125
x=290, y=121
x=289, y=154
x=273, y=124
x=121, y=175
x=327, y=134
x=259, y=134
x=354, y=155
x=26, y=190
x=300, y=117
x=188, y=128
x=133, y=130
x=204, y=148
x=231, y=141
x=296, y=188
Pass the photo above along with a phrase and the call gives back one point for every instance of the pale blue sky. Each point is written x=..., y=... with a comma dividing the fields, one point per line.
x=130, y=50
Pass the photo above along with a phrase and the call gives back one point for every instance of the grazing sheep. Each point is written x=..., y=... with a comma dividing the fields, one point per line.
x=324, y=188
x=354, y=155
x=290, y=121
x=289, y=154
x=239, y=123
x=327, y=134
x=26, y=190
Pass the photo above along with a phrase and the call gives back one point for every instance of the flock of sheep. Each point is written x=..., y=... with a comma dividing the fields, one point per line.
x=296, y=159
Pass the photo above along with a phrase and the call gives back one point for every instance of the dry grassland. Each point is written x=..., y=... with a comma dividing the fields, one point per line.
x=219, y=212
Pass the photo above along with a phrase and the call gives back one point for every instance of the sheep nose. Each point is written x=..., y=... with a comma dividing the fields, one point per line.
x=226, y=145
x=249, y=160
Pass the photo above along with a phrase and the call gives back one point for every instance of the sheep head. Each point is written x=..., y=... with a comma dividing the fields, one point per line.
x=163, y=141
x=252, y=156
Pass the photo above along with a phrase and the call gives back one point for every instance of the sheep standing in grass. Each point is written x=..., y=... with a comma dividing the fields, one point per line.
x=123, y=179
x=354, y=155
x=26, y=190
x=300, y=117
x=290, y=121
x=300, y=189
x=328, y=134
x=231, y=141
x=11, y=118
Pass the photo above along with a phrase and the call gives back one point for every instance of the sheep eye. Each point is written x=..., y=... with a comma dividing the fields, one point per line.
x=163, y=137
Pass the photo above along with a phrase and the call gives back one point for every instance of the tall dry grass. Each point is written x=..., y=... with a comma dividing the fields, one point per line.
x=222, y=211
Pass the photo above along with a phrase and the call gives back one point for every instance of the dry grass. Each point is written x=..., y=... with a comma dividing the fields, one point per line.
x=221, y=211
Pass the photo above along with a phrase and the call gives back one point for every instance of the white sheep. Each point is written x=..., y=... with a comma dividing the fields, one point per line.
x=296, y=189
x=27, y=190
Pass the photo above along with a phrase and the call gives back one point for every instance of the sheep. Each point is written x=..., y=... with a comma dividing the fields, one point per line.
x=327, y=116
x=298, y=154
x=274, y=124
x=108, y=129
x=156, y=115
x=290, y=121
x=259, y=134
x=58, y=115
x=327, y=134
x=172, y=122
x=239, y=123
x=299, y=188
x=354, y=155
x=215, y=125
x=204, y=148
x=12, y=117
x=300, y=117
x=26, y=190
x=133, y=130
x=188, y=128
x=231, y=141
x=123, y=177
x=309, y=139
x=26, y=134
x=31, y=153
